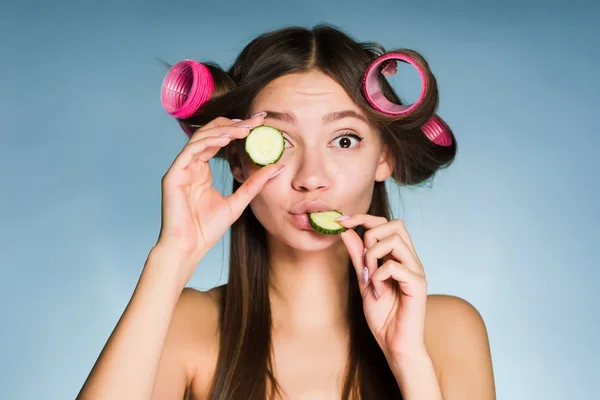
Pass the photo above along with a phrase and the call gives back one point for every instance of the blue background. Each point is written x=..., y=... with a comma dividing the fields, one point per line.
x=512, y=226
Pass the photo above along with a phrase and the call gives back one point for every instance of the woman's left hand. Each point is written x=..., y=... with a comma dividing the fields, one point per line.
x=395, y=294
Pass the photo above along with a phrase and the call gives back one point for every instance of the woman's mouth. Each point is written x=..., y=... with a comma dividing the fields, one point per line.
x=301, y=221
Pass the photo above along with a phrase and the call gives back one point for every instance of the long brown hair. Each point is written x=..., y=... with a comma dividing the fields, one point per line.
x=244, y=368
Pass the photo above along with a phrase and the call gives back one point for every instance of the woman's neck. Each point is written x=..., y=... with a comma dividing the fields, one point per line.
x=308, y=290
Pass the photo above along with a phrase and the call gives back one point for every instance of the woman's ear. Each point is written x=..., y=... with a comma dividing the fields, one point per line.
x=385, y=165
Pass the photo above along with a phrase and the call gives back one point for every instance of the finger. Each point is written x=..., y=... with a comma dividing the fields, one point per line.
x=367, y=220
x=410, y=283
x=193, y=149
x=394, y=246
x=255, y=120
x=356, y=248
x=211, y=151
x=378, y=229
x=219, y=121
x=223, y=123
x=395, y=227
x=235, y=131
x=240, y=199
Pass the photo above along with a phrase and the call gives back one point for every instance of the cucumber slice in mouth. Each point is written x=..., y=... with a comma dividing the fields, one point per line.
x=324, y=222
x=265, y=145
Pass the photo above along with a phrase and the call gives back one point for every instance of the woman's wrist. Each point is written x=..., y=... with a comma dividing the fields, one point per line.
x=167, y=263
x=416, y=375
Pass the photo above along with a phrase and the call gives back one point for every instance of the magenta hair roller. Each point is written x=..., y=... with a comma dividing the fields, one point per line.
x=373, y=90
x=187, y=86
x=435, y=128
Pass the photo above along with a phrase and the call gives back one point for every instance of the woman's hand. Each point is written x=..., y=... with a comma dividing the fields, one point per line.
x=194, y=214
x=395, y=294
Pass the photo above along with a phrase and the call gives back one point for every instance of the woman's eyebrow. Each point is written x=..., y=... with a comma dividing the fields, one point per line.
x=333, y=116
x=282, y=116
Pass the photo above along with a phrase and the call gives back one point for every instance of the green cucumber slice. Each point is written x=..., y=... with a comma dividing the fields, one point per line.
x=324, y=222
x=265, y=145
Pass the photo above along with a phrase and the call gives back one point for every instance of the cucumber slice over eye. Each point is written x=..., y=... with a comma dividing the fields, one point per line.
x=265, y=145
x=324, y=222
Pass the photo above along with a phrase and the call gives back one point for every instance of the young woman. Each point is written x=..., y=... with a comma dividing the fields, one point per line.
x=304, y=315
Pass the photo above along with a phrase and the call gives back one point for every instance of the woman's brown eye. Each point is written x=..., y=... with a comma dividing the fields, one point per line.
x=345, y=140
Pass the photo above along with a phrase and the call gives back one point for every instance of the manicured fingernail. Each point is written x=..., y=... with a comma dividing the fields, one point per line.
x=365, y=275
x=236, y=120
x=226, y=135
x=258, y=114
x=343, y=217
x=276, y=173
x=375, y=294
x=245, y=126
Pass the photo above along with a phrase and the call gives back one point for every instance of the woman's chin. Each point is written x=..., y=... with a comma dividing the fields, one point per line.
x=308, y=240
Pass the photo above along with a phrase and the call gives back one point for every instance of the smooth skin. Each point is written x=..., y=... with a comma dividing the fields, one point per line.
x=165, y=346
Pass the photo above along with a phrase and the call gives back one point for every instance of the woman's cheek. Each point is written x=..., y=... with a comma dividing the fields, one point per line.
x=354, y=184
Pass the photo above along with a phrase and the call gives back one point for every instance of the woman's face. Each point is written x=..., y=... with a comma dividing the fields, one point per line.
x=332, y=158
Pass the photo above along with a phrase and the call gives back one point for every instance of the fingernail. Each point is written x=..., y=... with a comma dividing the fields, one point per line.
x=245, y=126
x=365, y=275
x=276, y=173
x=226, y=135
x=262, y=113
x=236, y=120
x=375, y=294
x=343, y=217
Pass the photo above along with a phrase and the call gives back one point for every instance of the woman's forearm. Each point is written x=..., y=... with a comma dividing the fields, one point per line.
x=128, y=363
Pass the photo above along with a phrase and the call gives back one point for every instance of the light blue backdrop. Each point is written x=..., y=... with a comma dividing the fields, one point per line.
x=512, y=226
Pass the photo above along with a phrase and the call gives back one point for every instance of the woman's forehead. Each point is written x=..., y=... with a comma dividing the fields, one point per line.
x=312, y=90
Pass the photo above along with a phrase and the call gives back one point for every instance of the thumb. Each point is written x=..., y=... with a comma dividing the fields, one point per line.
x=240, y=199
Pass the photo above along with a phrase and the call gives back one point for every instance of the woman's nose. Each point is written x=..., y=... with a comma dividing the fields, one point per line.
x=312, y=174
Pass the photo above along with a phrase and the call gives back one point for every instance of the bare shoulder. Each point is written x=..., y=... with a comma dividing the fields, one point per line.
x=201, y=309
x=444, y=311
x=457, y=341
x=193, y=340
x=197, y=316
x=453, y=326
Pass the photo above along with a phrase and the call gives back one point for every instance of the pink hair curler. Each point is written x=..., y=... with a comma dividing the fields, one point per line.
x=187, y=86
x=437, y=131
x=435, y=128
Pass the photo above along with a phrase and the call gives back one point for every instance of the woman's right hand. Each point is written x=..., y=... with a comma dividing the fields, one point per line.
x=194, y=214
